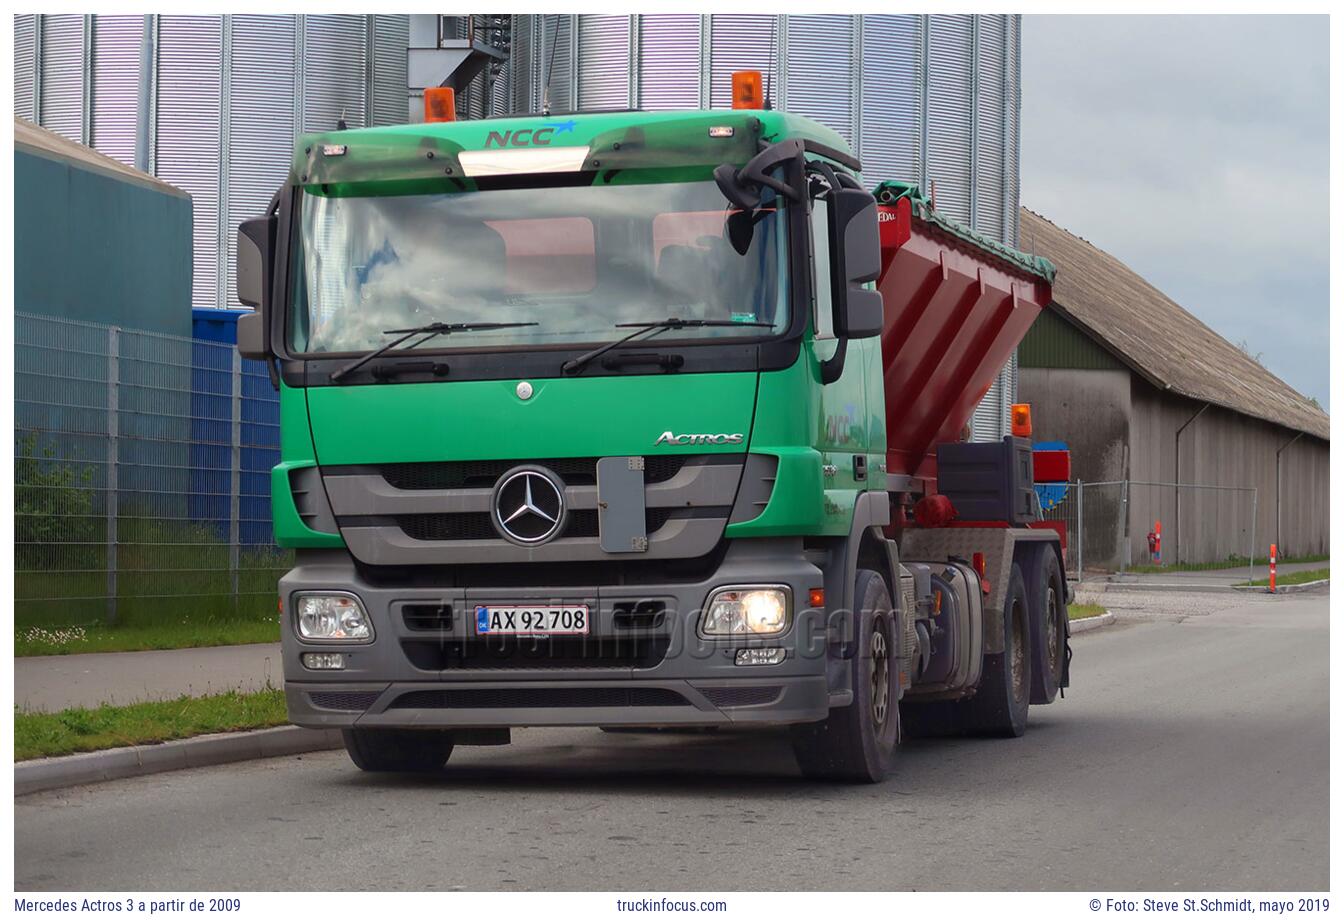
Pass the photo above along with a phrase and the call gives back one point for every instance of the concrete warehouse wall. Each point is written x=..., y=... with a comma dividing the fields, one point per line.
x=1118, y=426
x=1088, y=409
x=1222, y=447
x=97, y=248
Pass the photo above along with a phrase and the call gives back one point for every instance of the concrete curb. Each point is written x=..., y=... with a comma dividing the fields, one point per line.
x=204, y=751
x=1087, y=624
x=1285, y=589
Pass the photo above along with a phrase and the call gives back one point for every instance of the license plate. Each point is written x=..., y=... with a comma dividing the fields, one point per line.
x=532, y=621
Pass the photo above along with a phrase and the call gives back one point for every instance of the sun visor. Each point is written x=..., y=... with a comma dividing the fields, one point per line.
x=522, y=161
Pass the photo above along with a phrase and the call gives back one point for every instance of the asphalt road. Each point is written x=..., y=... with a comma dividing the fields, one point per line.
x=1192, y=753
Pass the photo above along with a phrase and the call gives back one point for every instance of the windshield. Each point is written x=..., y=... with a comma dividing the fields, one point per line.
x=574, y=260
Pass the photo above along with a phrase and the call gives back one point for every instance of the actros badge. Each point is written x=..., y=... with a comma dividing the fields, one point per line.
x=668, y=437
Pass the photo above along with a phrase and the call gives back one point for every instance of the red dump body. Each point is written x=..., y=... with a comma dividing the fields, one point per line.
x=955, y=310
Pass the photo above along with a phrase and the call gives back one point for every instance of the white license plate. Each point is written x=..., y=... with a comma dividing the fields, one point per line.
x=532, y=621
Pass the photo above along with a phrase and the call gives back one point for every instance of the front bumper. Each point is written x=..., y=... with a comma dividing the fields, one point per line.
x=408, y=678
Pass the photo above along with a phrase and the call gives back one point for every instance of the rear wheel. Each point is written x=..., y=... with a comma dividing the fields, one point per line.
x=999, y=706
x=397, y=750
x=1049, y=627
x=857, y=743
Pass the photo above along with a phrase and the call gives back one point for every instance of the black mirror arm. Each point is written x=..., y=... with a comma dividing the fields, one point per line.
x=742, y=186
x=833, y=366
x=758, y=167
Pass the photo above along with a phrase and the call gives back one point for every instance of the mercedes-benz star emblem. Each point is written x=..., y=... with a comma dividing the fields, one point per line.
x=529, y=506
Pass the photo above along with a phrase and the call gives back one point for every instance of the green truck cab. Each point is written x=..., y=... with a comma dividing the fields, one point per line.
x=583, y=422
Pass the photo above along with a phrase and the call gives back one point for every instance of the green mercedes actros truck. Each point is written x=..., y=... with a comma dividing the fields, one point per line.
x=644, y=420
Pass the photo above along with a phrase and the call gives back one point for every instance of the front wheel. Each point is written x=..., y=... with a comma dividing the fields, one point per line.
x=397, y=750
x=857, y=743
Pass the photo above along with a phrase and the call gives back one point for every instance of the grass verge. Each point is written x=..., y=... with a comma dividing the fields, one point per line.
x=1291, y=578
x=68, y=640
x=1232, y=562
x=71, y=731
x=1083, y=611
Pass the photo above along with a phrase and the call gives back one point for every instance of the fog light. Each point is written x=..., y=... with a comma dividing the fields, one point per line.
x=747, y=611
x=750, y=656
x=324, y=661
x=333, y=616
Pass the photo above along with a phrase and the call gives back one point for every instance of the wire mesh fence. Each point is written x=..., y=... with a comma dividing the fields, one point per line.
x=141, y=477
x=1114, y=526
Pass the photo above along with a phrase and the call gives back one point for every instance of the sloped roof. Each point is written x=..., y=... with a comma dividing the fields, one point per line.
x=33, y=138
x=1151, y=333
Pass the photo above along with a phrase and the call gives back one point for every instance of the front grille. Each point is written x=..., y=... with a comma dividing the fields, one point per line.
x=539, y=698
x=477, y=525
x=528, y=653
x=427, y=617
x=740, y=696
x=469, y=526
x=344, y=701
x=634, y=615
x=483, y=474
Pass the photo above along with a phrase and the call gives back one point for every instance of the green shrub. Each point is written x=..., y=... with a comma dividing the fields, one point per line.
x=54, y=525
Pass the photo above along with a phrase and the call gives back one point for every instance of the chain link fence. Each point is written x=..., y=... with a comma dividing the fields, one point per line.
x=141, y=477
x=1111, y=526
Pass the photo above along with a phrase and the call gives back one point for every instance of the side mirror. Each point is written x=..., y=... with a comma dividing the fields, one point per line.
x=858, y=253
x=255, y=272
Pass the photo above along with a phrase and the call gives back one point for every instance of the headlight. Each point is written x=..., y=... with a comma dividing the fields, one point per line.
x=333, y=616
x=747, y=611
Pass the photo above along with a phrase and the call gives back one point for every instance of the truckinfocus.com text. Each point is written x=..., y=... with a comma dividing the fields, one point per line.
x=655, y=905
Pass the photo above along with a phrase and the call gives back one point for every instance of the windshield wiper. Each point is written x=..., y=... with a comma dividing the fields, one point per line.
x=429, y=331
x=574, y=365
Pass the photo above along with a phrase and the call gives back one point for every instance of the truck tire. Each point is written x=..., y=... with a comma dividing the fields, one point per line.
x=857, y=743
x=397, y=750
x=1049, y=626
x=999, y=706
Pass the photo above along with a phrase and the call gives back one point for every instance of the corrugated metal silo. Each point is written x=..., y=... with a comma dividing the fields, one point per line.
x=931, y=99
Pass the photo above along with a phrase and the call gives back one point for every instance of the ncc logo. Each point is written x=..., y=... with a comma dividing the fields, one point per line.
x=527, y=137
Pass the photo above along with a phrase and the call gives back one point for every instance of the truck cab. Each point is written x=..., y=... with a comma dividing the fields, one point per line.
x=584, y=422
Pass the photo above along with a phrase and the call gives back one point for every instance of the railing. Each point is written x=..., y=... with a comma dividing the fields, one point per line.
x=1203, y=526
x=142, y=477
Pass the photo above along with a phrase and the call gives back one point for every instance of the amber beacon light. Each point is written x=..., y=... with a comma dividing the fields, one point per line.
x=1021, y=420
x=440, y=103
x=747, y=90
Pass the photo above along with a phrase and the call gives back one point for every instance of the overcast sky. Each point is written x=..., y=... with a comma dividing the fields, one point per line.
x=1196, y=150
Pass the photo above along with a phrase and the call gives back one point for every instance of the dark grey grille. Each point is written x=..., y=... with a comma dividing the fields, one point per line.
x=635, y=615
x=427, y=617
x=483, y=474
x=477, y=525
x=344, y=701
x=740, y=696
x=539, y=698
x=524, y=653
